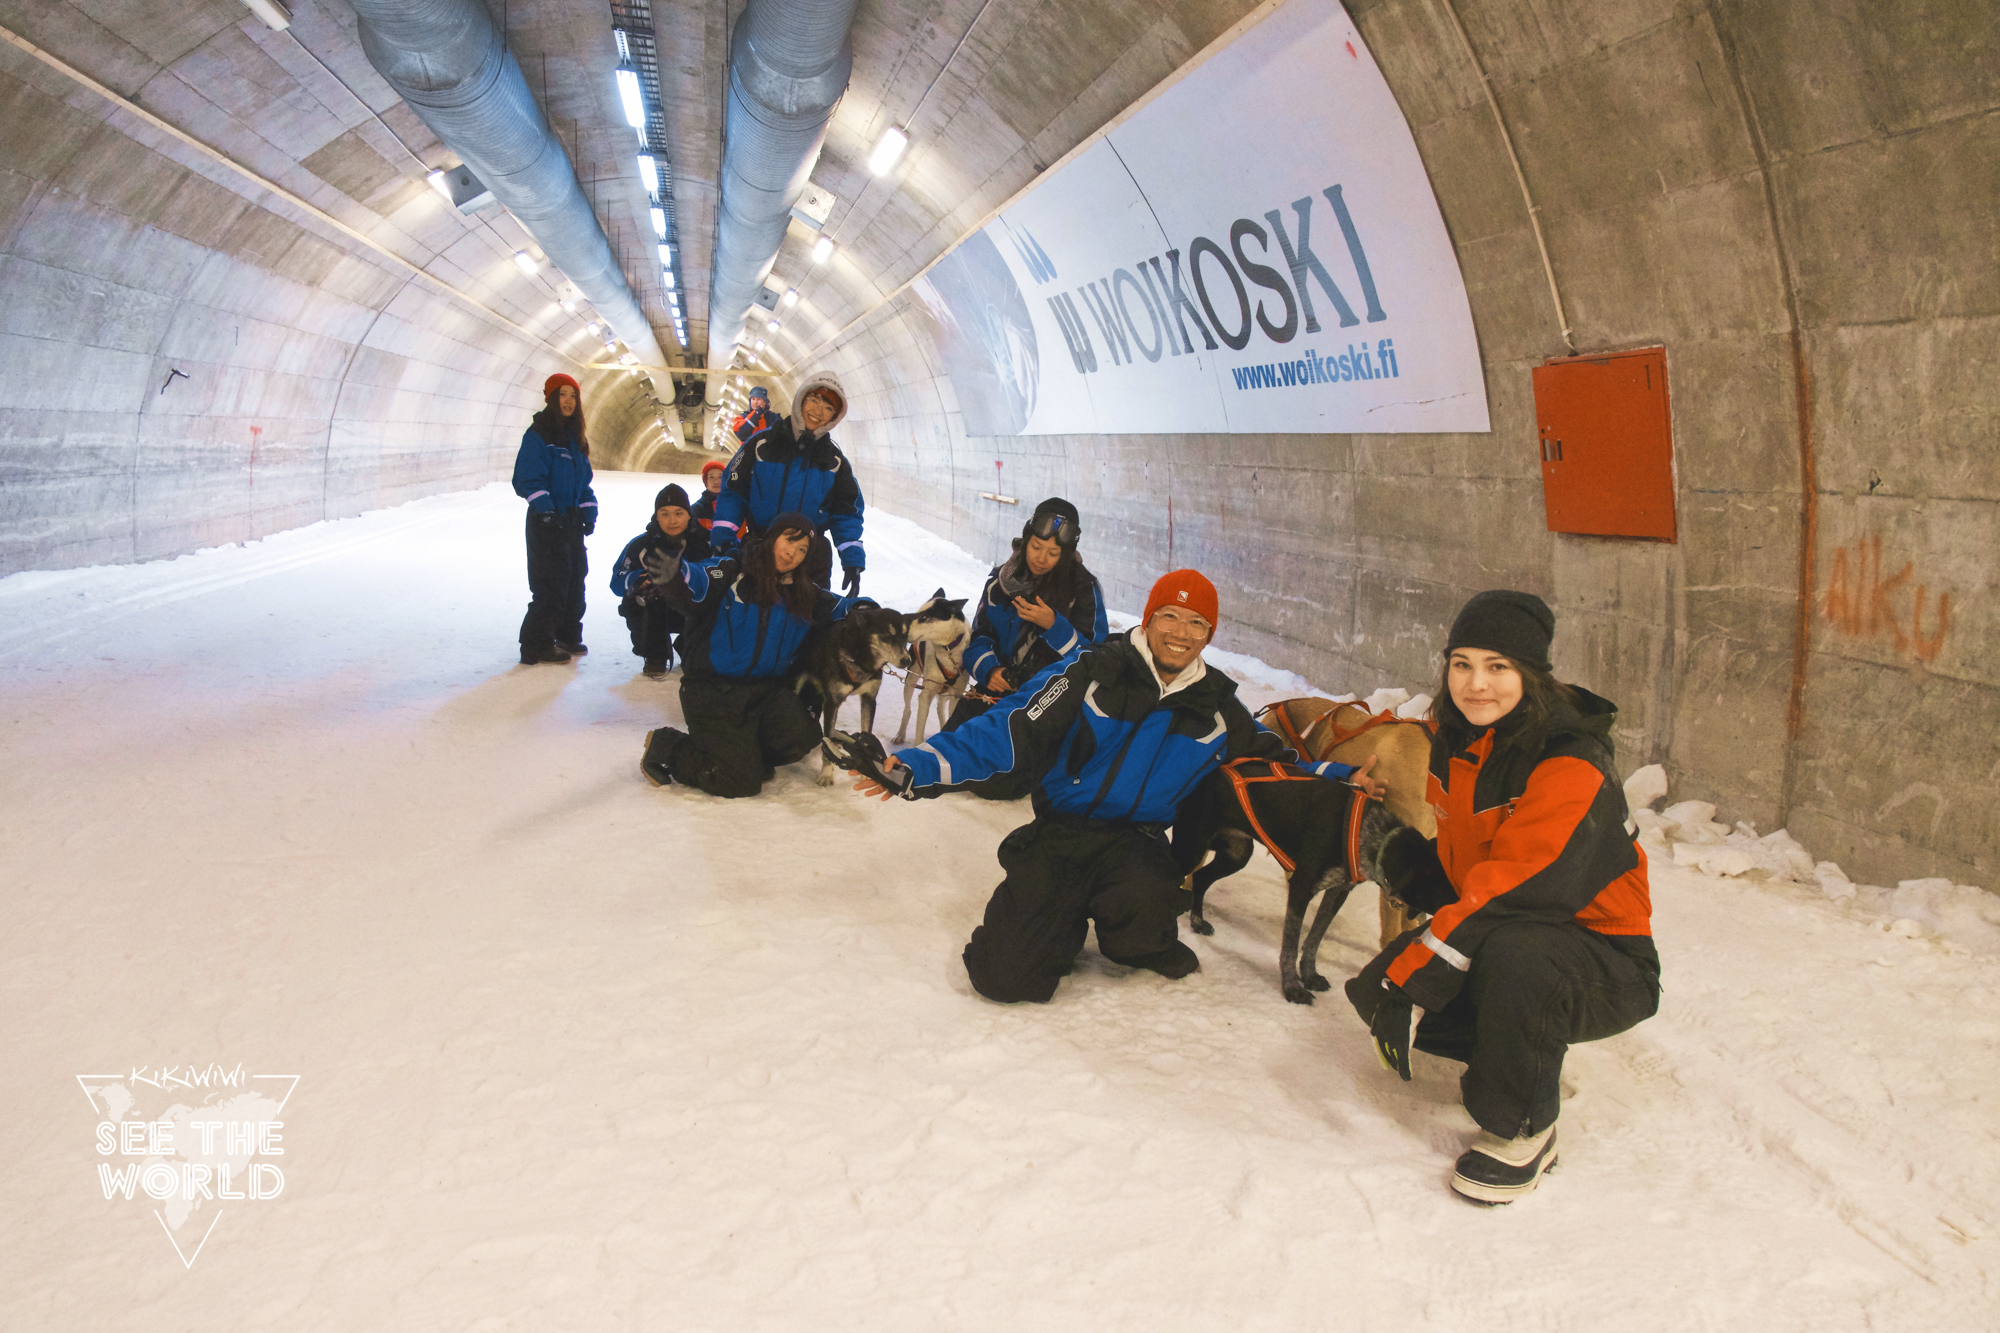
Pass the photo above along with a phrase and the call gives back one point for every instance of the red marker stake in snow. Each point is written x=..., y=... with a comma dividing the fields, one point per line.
x=997, y=493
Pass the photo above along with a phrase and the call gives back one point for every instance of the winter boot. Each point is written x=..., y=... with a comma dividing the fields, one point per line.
x=1173, y=962
x=1497, y=1170
x=657, y=763
x=573, y=649
x=536, y=656
x=656, y=668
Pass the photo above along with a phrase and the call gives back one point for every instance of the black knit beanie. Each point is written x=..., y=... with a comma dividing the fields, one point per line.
x=1514, y=624
x=1055, y=519
x=790, y=519
x=671, y=495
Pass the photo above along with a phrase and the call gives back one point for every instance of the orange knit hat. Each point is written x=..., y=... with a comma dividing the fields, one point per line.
x=1187, y=589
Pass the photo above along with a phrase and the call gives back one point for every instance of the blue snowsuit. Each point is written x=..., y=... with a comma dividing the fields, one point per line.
x=1114, y=757
x=554, y=479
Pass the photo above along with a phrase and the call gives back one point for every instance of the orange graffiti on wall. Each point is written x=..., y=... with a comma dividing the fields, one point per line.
x=1861, y=602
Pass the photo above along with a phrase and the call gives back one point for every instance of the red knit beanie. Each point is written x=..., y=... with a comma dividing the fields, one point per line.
x=553, y=382
x=1187, y=589
x=713, y=465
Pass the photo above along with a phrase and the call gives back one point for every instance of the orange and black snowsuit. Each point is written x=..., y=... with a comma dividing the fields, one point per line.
x=1541, y=933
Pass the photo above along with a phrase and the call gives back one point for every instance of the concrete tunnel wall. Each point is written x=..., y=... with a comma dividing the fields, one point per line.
x=1731, y=180
x=186, y=359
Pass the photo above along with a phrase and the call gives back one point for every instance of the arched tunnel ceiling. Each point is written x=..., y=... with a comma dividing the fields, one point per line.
x=1794, y=201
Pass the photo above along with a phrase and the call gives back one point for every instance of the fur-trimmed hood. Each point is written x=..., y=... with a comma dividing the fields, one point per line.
x=825, y=379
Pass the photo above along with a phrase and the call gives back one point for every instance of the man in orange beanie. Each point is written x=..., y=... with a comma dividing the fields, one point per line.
x=1117, y=734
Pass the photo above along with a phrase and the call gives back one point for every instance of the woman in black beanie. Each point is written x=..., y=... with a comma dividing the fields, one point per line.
x=1541, y=934
x=1040, y=604
x=642, y=599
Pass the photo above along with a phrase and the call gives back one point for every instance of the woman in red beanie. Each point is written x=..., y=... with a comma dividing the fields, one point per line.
x=711, y=486
x=1541, y=933
x=552, y=473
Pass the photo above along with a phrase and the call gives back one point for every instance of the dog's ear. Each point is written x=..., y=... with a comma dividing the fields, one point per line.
x=938, y=594
x=957, y=605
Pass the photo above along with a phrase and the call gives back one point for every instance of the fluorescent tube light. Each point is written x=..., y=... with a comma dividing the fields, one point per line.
x=888, y=150
x=660, y=223
x=791, y=296
x=526, y=262
x=821, y=249
x=276, y=17
x=628, y=93
x=649, y=173
x=666, y=256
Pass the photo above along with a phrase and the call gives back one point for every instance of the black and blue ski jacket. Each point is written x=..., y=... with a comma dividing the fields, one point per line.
x=727, y=636
x=1000, y=638
x=1104, y=742
x=553, y=478
x=782, y=469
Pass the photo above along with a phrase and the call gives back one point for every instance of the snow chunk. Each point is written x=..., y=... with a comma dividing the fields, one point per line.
x=1645, y=786
x=1387, y=700
x=1713, y=860
x=1416, y=709
x=1833, y=881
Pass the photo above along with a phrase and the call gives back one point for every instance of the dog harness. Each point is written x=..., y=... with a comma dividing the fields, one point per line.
x=1278, y=771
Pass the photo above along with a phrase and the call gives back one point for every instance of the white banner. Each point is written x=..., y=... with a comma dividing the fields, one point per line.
x=1256, y=251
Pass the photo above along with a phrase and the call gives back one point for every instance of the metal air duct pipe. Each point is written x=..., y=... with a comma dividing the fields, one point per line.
x=788, y=65
x=449, y=61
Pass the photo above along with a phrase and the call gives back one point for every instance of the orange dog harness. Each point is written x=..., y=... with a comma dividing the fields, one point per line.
x=1277, y=771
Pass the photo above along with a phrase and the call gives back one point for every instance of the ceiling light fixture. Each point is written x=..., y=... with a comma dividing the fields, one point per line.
x=667, y=276
x=649, y=173
x=628, y=93
x=526, y=262
x=791, y=296
x=440, y=184
x=276, y=17
x=888, y=150
x=821, y=249
x=660, y=223
x=666, y=256
x=771, y=326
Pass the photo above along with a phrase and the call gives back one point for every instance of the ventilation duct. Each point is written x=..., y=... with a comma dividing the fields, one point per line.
x=447, y=59
x=788, y=64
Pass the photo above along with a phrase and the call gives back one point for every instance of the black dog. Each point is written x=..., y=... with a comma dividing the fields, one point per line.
x=846, y=658
x=1308, y=819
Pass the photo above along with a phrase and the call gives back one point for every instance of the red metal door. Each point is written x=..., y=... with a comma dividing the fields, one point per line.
x=1606, y=437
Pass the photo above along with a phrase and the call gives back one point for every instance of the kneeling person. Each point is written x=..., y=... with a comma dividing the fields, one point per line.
x=1117, y=734
x=748, y=616
x=643, y=603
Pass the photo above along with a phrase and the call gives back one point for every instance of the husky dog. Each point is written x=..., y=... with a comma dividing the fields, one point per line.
x=1307, y=817
x=846, y=658
x=938, y=637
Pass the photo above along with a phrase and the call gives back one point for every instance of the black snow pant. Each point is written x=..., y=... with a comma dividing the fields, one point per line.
x=1063, y=873
x=739, y=732
x=556, y=568
x=1534, y=990
x=653, y=625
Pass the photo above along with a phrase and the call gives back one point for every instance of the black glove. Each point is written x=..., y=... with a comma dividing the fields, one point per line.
x=548, y=518
x=853, y=584
x=661, y=566
x=589, y=526
x=1394, y=1022
x=864, y=754
x=1412, y=872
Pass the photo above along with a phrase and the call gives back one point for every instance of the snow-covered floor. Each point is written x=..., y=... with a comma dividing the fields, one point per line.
x=577, y=1053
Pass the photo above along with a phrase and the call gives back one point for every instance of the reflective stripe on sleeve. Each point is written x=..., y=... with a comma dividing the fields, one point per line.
x=944, y=764
x=1445, y=951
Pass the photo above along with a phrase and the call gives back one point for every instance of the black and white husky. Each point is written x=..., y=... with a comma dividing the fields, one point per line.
x=846, y=658
x=938, y=636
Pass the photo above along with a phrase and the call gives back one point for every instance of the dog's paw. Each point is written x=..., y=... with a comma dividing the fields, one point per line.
x=828, y=774
x=1298, y=994
x=1318, y=982
x=1200, y=926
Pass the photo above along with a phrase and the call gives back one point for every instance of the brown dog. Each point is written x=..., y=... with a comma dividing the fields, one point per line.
x=1348, y=733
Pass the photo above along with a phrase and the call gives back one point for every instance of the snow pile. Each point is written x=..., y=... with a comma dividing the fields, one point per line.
x=1688, y=834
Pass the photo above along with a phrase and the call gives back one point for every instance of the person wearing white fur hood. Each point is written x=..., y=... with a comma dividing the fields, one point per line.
x=793, y=465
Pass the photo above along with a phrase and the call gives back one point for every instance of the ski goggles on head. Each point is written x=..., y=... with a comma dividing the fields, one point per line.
x=1053, y=527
